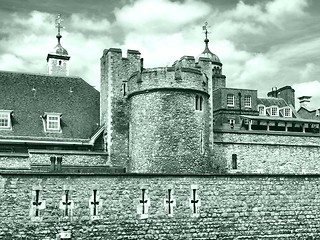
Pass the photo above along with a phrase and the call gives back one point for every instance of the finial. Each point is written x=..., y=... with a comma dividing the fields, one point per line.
x=205, y=29
x=59, y=26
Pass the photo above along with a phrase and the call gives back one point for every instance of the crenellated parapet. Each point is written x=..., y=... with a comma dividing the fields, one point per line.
x=182, y=76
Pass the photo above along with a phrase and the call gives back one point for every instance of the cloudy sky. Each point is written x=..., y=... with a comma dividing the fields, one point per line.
x=262, y=44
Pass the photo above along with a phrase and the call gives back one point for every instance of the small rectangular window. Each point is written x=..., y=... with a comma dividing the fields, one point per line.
x=234, y=161
x=230, y=100
x=5, y=119
x=247, y=101
x=124, y=89
x=198, y=103
x=287, y=112
x=52, y=122
x=274, y=111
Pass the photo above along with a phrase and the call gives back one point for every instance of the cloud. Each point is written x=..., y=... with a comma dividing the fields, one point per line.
x=160, y=16
x=85, y=24
x=268, y=12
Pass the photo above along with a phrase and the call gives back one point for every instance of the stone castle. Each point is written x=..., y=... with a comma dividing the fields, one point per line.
x=159, y=153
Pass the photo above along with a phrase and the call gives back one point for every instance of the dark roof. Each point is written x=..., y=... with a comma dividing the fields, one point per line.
x=30, y=96
x=271, y=101
x=308, y=114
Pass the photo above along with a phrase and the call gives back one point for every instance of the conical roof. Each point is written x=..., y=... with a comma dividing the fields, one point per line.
x=208, y=54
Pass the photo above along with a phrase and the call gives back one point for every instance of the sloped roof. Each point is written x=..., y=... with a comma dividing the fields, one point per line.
x=30, y=96
x=271, y=101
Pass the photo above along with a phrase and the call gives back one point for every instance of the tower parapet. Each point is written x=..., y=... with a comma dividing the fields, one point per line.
x=165, y=78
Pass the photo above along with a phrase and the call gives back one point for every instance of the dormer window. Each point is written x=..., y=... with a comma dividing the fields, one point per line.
x=52, y=122
x=287, y=112
x=262, y=110
x=274, y=111
x=5, y=119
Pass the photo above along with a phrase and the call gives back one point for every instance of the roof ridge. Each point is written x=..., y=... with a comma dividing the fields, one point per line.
x=39, y=74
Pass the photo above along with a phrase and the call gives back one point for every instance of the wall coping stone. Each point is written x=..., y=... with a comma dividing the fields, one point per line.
x=166, y=89
x=157, y=175
x=65, y=152
x=264, y=132
x=14, y=154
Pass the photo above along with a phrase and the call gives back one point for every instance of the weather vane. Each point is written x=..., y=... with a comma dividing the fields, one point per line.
x=59, y=20
x=205, y=29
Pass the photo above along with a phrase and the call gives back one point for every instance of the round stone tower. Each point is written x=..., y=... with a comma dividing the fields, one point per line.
x=168, y=122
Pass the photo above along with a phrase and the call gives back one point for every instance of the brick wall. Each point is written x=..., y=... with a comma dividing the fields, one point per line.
x=232, y=207
x=268, y=153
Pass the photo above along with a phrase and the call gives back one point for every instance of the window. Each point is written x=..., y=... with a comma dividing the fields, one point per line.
x=262, y=110
x=5, y=119
x=199, y=103
x=234, y=164
x=287, y=112
x=232, y=122
x=247, y=101
x=274, y=111
x=124, y=88
x=230, y=100
x=201, y=142
x=52, y=122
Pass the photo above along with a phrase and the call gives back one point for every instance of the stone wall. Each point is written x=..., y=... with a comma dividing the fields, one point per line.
x=69, y=157
x=267, y=152
x=42, y=157
x=228, y=206
x=10, y=161
x=167, y=134
x=115, y=71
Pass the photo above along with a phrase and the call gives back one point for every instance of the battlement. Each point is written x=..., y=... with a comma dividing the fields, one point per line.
x=180, y=76
x=117, y=53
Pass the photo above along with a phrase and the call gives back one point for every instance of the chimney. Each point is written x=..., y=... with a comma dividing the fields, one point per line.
x=273, y=93
x=59, y=163
x=304, y=101
x=53, y=164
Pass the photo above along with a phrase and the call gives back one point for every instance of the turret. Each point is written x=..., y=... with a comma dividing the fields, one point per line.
x=58, y=58
x=115, y=70
x=168, y=122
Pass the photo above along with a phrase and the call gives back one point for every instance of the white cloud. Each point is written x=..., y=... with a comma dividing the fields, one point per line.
x=274, y=12
x=82, y=23
x=160, y=16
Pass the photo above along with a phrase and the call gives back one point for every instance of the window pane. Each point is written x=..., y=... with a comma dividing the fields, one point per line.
x=247, y=101
x=4, y=120
x=53, y=122
x=230, y=100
